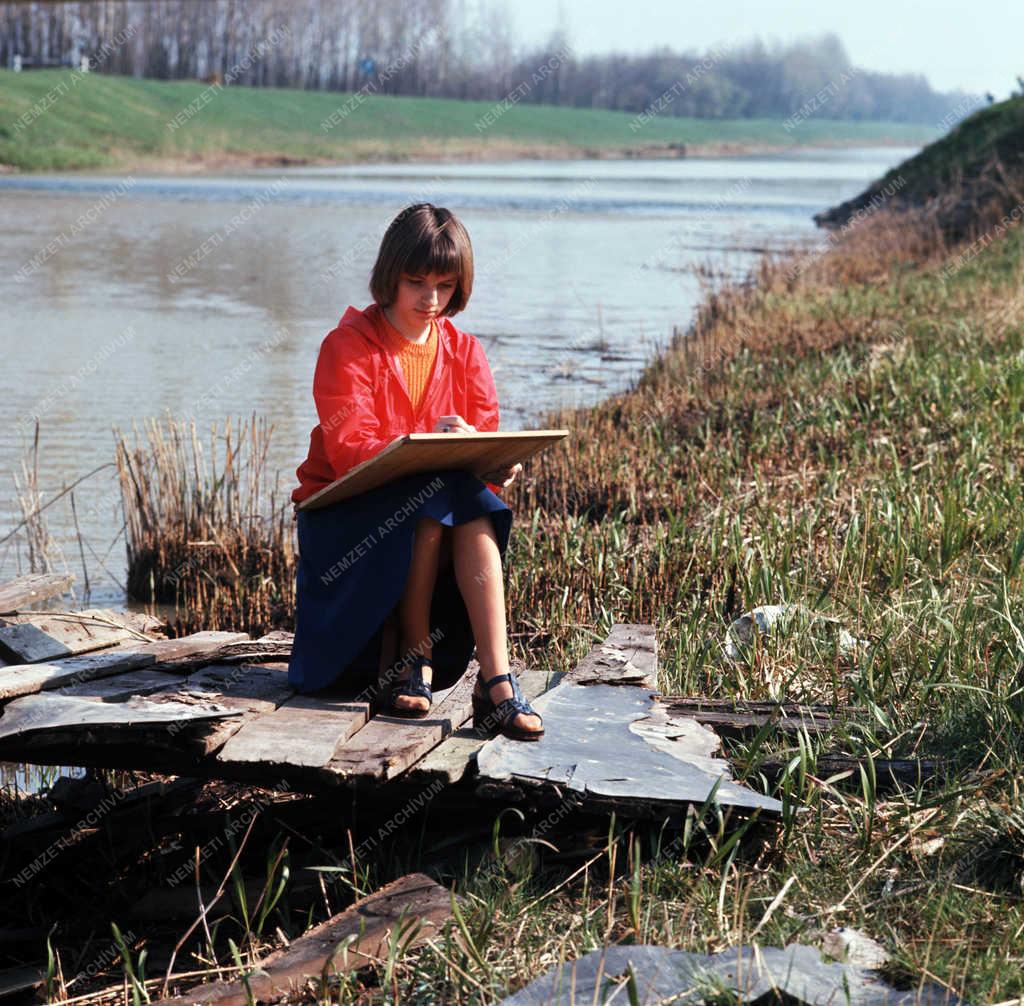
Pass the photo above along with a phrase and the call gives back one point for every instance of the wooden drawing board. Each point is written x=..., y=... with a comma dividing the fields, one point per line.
x=415, y=453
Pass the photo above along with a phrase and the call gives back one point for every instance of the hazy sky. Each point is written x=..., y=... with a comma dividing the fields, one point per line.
x=977, y=45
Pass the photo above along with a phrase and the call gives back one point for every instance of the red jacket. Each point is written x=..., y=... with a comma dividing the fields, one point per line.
x=362, y=400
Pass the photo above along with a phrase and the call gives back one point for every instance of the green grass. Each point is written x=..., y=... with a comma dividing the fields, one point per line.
x=981, y=158
x=97, y=121
x=848, y=438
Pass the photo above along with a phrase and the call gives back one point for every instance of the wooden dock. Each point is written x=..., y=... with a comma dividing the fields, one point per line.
x=99, y=688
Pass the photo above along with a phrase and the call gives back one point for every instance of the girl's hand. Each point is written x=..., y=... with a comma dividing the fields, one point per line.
x=453, y=424
x=503, y=477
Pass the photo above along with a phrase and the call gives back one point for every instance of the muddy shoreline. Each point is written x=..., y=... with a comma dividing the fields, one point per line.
x=225, y=162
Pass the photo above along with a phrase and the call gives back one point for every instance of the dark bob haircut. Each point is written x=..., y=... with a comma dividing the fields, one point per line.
x=424, y=238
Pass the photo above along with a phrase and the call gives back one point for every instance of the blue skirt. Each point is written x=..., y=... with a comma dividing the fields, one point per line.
x=353, y=562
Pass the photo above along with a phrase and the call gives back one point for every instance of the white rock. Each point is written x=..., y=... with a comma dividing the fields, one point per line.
x=853, y=947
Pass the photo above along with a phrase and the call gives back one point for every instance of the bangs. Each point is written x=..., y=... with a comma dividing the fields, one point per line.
x=436, y=253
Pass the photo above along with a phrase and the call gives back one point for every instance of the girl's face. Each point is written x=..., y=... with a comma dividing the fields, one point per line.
x=420, y=297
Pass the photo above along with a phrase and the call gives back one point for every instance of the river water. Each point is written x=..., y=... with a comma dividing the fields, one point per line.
x=126, y=297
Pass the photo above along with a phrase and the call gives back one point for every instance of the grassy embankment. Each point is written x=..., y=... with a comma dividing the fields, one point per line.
x=846, y=433
x=106, y=122
x=977, y=167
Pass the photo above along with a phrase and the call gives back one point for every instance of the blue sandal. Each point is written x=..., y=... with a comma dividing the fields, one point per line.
x=413, y=686
x=490, y=719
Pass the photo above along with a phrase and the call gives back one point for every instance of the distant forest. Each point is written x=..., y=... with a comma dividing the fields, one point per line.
x=454, y=49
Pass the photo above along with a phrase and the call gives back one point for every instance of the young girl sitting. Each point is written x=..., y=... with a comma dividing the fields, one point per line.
x=427, y=547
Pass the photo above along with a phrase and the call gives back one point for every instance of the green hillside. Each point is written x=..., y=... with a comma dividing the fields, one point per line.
x=973, y=172
x=55, y=119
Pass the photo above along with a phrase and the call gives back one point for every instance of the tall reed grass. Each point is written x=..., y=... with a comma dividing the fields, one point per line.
x=205, y=529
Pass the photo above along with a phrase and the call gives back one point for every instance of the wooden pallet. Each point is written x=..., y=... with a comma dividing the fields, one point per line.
x=218, y=705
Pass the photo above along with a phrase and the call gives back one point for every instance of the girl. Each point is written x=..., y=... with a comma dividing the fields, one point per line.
x=427, y=548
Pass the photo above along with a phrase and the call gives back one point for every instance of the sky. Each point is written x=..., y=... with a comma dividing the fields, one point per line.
x=975, y=45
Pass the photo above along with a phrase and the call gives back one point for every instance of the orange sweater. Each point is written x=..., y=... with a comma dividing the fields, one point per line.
x=416, y=360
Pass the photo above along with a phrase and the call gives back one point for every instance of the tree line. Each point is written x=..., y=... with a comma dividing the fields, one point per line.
x=453, y=49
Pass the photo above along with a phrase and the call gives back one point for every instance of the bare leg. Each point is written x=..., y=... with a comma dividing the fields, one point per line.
x=478, y=574
x=414, y=605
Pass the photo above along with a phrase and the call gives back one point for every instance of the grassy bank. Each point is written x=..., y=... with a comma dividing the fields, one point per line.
x=843, y=432
x=98, y=121
x=972, y=175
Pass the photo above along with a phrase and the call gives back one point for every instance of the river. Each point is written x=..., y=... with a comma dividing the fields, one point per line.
x=127, y=297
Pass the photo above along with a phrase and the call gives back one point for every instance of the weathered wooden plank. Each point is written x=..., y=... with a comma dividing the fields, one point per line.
x=449, y=761
x=734, y=716
x=66, y=714
x=251, y=650
x=197, y=650
x=31, y=588
x=629, y=656
x=371, y=920
x=120, y=686
x=277, y=636
x=890, y=773
x=32, y=637
x=302, y=731
x=143, y=626
x=250, y=690
x=26, y=679
x=170, y=654
x=175, y=728
x=388, y=745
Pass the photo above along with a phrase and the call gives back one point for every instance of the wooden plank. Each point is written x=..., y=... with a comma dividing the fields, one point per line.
x=251, y=650
x=142, y=626
x=249, y=690
x=303, y=731
x=277, y=636
x=169, y=654
x=388, y=745
x=192, y=651
x=738, y=717
x=371, y=920
x=36, y=636
x=120, y=686
x=628, y=656
x=890, y=773
x=66, y=714
x=32, y=588
x=449, y=761
x=26, y=679
x=175, y=729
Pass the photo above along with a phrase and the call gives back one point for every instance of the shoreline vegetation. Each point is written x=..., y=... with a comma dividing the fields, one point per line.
x=59, y=121
x=840, y=431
